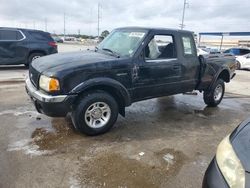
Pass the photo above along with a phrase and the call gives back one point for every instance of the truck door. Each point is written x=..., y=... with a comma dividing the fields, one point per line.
x=189, y=61
x=159, y=71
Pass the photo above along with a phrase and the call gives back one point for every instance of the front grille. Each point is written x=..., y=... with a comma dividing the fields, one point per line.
x=34, y=76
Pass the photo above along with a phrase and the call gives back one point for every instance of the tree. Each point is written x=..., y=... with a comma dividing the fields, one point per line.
x=105, y=33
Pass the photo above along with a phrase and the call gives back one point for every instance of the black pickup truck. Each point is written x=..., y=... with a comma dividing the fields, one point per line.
x=131, y=64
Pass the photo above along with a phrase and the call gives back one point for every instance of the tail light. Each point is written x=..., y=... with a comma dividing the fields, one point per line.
x=53, y=44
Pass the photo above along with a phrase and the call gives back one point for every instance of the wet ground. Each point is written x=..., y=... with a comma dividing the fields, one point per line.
x=165, y=142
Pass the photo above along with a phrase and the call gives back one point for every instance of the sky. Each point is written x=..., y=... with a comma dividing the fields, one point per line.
x=81, y=15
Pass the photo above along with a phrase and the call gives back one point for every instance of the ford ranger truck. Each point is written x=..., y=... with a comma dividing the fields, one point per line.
x=131, y=64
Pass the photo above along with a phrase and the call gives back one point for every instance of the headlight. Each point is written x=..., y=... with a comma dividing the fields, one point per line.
x=49, y=84
x=230, y=165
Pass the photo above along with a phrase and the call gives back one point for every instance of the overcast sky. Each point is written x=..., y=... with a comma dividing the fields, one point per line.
x=201, y=16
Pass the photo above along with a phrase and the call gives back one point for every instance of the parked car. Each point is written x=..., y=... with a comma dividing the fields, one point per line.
x=205, y=51
x=213, y=51
x=57, y=39
x=238, y=51
x=230, y=168
x=22, y=46
x=127, y=66
x=243, y=62
x=201, y=51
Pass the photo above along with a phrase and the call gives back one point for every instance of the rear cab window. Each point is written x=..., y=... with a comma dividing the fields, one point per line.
x=188, y=46
x=11, y=35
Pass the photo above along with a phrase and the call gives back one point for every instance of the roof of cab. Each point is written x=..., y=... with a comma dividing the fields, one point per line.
x=155, y=29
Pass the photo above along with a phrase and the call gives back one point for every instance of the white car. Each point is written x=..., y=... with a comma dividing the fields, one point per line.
x=201, y=51
x=243, y=62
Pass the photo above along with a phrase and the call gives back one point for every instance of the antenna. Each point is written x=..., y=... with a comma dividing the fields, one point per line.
x=183, y=14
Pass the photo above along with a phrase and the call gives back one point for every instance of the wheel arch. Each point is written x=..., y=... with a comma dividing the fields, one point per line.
x=37, y=51
x=111, y=86
x=224, y=75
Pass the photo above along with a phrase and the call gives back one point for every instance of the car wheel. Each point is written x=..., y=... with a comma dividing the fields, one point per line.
x=32, y=57
x=214, y=96
x=238, y=65
x=95, y=113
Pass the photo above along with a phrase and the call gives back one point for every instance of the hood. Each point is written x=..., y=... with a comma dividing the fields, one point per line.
x=71, y=60
x=240, y=140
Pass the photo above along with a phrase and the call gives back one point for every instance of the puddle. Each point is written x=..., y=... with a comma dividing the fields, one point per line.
x=115, y=170
x=28, y=147
x=207, y=112
x=46, y=137
x=57, y=135
x=172, y=159
x=19, y=113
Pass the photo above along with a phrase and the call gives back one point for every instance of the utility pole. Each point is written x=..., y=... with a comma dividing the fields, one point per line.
x=64, y=25
x=45, y=22
x=91, y=20
x=98, y=21
x=183, y=14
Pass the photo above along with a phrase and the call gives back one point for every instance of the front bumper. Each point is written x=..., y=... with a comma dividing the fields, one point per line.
x=213, y=177
x=54, y=106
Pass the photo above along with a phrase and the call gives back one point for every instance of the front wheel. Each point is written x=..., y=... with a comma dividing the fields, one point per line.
x=214, y=96
x=95, y=114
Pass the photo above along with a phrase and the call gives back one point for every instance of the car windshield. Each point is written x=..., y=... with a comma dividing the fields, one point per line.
x=122, y=43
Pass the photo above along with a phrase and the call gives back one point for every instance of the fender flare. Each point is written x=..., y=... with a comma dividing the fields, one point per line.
x=216, y=76
x=106, y=82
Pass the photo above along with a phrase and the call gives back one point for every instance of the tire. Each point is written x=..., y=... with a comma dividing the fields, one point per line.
x=214, y=96
x=32, y=57
x=95, y=114
x=238, y=65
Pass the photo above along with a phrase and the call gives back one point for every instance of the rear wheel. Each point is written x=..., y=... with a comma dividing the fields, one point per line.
x=32, y=57
x=95, y=114
x=238, y=65
x=214, y=96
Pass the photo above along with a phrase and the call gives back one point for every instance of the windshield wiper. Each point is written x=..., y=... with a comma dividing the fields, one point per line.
x=111, y=51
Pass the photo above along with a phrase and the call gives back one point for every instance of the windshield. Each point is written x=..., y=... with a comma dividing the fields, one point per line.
x=122, y=42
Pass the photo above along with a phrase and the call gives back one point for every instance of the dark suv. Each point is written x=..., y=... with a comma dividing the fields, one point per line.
x=22, y=46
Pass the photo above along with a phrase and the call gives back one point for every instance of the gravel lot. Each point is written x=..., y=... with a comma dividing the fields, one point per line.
x=164, y=142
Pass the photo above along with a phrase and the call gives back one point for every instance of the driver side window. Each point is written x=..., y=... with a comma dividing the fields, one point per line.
x=160, y=47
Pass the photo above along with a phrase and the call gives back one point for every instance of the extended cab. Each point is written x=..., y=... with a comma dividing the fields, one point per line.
x=131, y=64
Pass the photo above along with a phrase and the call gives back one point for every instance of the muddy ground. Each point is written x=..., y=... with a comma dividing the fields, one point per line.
x=165, y=142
